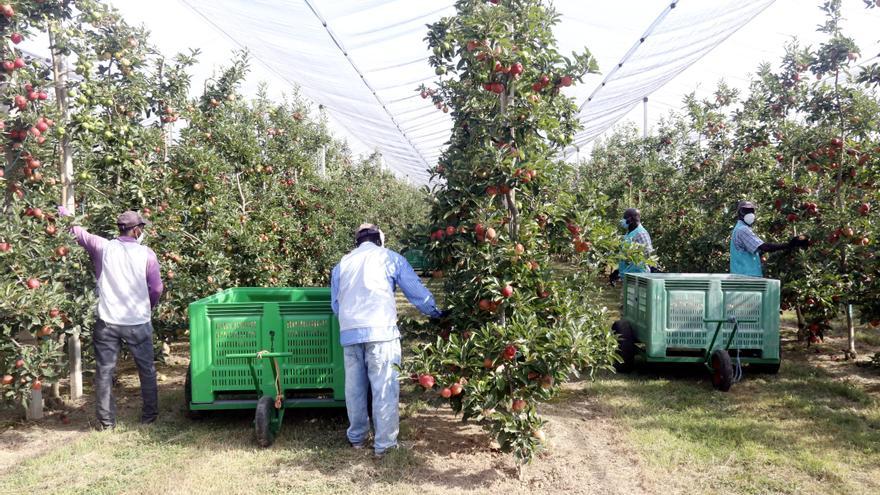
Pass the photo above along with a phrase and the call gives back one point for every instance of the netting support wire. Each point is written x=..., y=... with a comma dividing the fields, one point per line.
x=363, y=79
x=630, y=53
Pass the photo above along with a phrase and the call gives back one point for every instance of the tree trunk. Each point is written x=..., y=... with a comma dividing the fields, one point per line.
x=800, y=323
x=850, y=333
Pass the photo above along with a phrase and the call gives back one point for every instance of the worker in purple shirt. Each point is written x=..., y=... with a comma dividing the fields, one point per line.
x=129, y=287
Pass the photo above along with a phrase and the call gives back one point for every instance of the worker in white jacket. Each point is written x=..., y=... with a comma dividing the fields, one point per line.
x=362, y=289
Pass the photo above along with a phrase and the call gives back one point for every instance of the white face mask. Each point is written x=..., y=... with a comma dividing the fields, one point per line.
x=749, y=218
x=140, y=238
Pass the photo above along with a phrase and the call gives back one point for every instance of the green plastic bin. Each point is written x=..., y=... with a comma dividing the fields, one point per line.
x=296, y=322
x=417, y=259
x=673, y=318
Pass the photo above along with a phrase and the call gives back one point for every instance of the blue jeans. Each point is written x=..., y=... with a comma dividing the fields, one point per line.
x=371, y=366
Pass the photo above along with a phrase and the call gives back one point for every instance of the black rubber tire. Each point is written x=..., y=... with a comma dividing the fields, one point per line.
x=262, y=418
x=722, y=370
x=626, y=346
x=187, y=397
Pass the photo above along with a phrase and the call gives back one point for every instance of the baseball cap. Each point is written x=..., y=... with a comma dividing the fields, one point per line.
x=130, y=219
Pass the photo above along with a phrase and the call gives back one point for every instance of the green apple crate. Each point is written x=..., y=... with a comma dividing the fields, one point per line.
x=726, y=322
x=264, y=349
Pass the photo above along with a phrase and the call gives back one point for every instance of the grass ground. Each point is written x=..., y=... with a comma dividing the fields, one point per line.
x=813, y=428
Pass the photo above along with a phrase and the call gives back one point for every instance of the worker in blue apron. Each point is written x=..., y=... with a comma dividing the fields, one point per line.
x=636, y=233
x=746, y=247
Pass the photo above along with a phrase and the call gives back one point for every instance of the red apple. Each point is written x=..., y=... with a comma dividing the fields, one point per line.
x=33, y=283
x=490, y=233
x=45, y=331
x=565, y=81
x=484, y=304
x=450, y=231
x=507, y=291
x=426, y=381
x=509, y=352
x=456, y=389
x=38, y=385
x=19, y=62
x=519, y=249
x=546, y=381
x=16, y=38
x=7, y=10
x=445, y=393
x=7, y=379
x=488, y=363
x=54, y=312
x=516, y=69
x=864, y=209
x=62, y=251
x=491, y=191
x=19, y=363
x=5, y=247
x=8, y=65
x=517, y=405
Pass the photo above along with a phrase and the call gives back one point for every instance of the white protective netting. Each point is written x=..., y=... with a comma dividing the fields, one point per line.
x=684, y=32
x=362, y=60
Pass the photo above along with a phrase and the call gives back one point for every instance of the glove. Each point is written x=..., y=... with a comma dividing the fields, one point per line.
x=799, y=242
x=614, y=277
x=442, y=314
x=63, y=212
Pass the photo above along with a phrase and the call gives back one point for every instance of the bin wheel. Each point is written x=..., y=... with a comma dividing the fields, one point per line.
x=626, y=346
x=722, y=370
x=263, y=419
x=187, y=397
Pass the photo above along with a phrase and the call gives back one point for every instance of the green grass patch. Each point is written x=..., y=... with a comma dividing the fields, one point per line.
x=796, y=432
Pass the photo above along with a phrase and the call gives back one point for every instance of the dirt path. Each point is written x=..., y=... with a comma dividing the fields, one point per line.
x=585, y=455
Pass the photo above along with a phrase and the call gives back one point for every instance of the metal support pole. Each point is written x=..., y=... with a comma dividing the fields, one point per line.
x=645, y=122
x=322, y=161
x=59, y=69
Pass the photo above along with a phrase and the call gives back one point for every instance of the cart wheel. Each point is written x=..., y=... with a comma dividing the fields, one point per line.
x=187, y=397
x=722, y=370
x=626, y=346
x=263, y=419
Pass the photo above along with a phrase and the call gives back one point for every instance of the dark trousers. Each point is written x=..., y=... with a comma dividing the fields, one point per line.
x=108, y=339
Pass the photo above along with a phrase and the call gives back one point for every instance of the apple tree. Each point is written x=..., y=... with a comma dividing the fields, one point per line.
x=518, y=327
